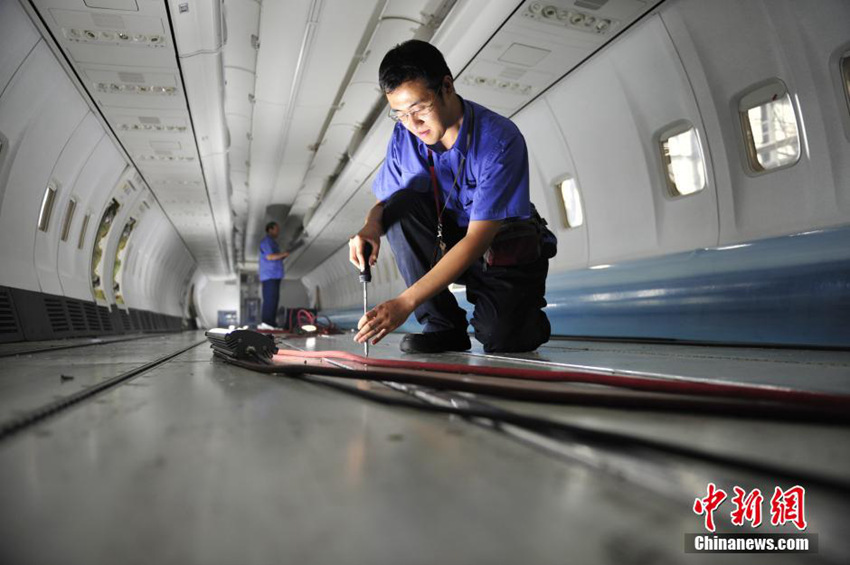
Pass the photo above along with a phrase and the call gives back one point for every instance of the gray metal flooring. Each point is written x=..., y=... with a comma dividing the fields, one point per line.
x=196, y=461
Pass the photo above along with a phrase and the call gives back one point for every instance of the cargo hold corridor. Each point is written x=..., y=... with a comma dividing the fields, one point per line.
x=195, y=460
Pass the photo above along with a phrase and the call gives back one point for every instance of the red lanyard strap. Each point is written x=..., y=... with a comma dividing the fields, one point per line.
x=432, y=169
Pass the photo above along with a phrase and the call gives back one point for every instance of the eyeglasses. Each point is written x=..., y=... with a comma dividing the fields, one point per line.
x=418, y=113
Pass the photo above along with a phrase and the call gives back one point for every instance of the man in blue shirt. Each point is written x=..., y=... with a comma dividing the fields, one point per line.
x=455, y=176
x=271, y=273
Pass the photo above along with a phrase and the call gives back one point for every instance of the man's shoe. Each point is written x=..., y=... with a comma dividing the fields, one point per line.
x=436, y=342
x=264, y=326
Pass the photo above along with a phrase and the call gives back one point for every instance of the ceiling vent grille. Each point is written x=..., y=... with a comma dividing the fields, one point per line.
x=108, y=21
x=8, y=321
x=590, y=4
x=56, y=315
x=124, y=76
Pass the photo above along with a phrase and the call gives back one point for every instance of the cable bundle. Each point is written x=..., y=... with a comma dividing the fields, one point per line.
x=243, y=345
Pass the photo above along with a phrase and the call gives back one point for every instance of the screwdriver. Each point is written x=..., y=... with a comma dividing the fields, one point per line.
x=366, y=277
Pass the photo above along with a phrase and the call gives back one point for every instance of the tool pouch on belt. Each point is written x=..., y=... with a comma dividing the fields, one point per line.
x=521, y=242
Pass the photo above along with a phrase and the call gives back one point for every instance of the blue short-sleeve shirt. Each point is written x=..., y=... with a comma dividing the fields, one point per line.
x=269, y=269
x=493, y=183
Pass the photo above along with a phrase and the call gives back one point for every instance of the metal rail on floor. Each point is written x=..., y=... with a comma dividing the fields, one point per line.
x=33, y=417
x=94, y=341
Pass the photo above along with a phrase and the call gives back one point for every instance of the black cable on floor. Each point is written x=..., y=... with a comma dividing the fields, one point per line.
x=601, y=438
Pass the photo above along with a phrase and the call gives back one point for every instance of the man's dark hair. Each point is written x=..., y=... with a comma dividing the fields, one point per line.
x=412, y=60
x=269, y=226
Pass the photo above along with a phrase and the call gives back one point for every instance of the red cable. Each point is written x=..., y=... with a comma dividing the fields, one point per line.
x=760, y=392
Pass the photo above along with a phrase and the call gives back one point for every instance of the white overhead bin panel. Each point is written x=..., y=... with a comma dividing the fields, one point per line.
x=197, y=26
x=325, y=30
x=204, y=78
x=39, y=110
x=398, y=22
x=242, y=21
x=19, y=37
x=540, y=43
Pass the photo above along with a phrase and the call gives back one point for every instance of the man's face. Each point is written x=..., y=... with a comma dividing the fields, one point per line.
x=274, y=231
x=423, y=111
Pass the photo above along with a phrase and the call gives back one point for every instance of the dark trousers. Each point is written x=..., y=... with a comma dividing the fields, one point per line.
x=271, y=297
x=508, y=301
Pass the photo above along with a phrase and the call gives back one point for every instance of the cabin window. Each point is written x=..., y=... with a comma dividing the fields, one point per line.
x=82, y=239
x=683, y=161
x=69, y=217
x=769, y=122
x=572, y=215
x=46, y=211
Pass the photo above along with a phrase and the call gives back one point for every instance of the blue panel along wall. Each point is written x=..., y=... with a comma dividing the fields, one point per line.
x=789, y=290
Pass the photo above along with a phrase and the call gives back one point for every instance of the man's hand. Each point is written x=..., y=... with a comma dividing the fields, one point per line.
x=357, y=243
x=371, y=232
x=382, y=319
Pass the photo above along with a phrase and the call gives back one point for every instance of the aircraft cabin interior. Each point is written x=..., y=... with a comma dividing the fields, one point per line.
x=424, y=282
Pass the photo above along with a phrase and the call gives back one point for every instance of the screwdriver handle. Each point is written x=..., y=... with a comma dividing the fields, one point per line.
x=366, y=273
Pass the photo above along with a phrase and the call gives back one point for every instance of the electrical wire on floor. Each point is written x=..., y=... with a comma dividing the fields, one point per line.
x=576, y=433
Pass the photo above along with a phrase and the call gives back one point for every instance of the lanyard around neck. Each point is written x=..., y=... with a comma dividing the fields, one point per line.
x=431, y=167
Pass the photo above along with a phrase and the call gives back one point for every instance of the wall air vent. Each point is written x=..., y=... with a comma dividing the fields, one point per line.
x=76, y=315
x=91, y=316
x=126, y=324
x=105, y=318
x=56, y=314
x=8, y=320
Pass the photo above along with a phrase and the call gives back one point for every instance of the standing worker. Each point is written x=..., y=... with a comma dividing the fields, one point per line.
x=453, y=200
x=271, y=273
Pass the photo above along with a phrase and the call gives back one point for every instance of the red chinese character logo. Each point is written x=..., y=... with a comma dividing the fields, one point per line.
x=747, y=508
x=709, y=504
x=788, y=506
